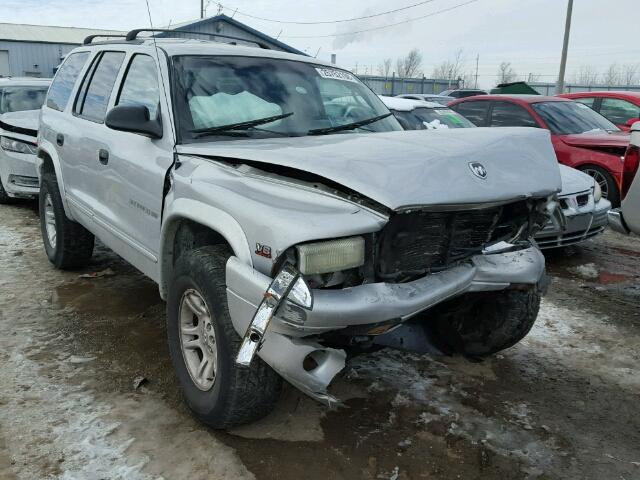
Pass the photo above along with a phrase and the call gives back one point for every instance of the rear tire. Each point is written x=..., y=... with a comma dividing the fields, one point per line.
x=481, y=324
x=68, y=244
x=607, y=183
x=230, y=395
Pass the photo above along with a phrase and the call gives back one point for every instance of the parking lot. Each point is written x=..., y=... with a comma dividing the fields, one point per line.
x=87, y=389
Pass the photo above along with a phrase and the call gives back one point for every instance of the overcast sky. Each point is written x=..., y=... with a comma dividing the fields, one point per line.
x=527, y=33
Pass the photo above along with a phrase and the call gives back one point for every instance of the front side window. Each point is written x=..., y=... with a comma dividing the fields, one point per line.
x=65, y=78
x=565, y=118
x=18, y=99
x=619, y=111
x=140, y=86
x=225, y=96
x=505, y=114
x=475, y=111
x=94, y=95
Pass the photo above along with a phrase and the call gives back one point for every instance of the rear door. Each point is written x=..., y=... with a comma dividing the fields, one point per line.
x=131, y=183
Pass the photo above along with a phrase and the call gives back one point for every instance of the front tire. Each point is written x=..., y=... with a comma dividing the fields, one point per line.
x=203, y=345
x=67, y=243
x=4, y=197
x=606, y=181
x=481, y=324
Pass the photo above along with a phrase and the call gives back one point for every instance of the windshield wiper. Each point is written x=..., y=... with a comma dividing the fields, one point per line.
x=347, y=126
x=199, y=132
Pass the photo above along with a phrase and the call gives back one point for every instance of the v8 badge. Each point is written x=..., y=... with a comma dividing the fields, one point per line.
x=263, y=250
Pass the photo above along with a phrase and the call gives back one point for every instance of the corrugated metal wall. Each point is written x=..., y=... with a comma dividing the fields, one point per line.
x=24, y=56
x=550, y=88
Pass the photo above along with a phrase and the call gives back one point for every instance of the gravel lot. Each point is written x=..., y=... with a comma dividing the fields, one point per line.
x=563, y=404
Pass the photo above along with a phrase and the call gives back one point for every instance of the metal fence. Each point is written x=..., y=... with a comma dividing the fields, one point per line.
x=395, y=86
x=550, y=88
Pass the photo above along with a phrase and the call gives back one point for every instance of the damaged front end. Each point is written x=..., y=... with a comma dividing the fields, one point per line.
x=422, y=257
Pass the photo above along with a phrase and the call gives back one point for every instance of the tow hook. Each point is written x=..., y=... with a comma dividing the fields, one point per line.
x=287, y=283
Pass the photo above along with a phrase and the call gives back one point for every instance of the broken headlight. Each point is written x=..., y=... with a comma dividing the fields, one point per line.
x=331, y=255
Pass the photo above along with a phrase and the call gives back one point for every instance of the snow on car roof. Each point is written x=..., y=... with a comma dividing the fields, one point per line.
x=407, y=104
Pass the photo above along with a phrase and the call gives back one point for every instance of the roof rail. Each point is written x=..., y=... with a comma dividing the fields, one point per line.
x=133, y=34
x=90, y=38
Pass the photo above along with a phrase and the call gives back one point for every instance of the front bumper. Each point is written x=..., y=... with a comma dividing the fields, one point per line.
x=19, y=174
x=616, y=222
x=290, y=337
x=574, y=223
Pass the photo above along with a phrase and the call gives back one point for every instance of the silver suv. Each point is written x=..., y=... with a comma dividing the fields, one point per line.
x=284, y=213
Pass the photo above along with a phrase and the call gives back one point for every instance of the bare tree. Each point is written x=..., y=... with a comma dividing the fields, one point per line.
x=409, y=66
x=450, y=69
x=612, y=75
x=384, y=69
x=506, y=74
x=534, y=77
x=630, y=74
x=586, y=76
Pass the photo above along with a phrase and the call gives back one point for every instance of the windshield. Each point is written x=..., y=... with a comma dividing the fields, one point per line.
x=18, y=99
x=225, y=96
x=565, y=118
x=423, y=118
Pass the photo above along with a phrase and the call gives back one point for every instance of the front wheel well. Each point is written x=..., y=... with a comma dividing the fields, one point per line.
x=47, y=163
x=190, y=235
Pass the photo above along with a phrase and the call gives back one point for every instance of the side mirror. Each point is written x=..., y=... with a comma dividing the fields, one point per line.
x=134, y=119
x=631, y=121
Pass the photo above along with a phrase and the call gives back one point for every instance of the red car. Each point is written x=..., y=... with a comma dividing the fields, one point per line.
x=582, y=138
x=621, y=108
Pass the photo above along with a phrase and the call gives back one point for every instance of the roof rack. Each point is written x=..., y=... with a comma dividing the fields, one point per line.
x=90, y=38
x=133, y=34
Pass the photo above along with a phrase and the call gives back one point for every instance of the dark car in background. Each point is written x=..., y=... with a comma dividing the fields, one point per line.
x=581, y=137
x=620, y=108
x=463, y=92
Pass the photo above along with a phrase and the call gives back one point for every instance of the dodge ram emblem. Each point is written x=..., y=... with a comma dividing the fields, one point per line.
x=478, y=170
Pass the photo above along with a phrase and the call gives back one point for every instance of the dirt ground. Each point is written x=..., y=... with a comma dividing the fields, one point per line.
x=562, y=404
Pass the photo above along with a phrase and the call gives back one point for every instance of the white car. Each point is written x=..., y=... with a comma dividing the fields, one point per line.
x=20, y=102
x=626, y=219
x=582, y=212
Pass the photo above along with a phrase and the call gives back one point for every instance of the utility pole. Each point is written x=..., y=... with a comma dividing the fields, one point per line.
x=201, y=8
x=565, y=47
x=477, y=62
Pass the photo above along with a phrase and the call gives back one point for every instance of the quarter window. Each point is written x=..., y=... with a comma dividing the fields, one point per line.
x=92, y=101
x=619, y=111
x=506, y=114
x=140, y=86
x=62, y=85
x=476, y=111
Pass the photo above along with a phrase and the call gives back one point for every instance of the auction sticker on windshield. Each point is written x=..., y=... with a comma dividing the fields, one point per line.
x=336, y=74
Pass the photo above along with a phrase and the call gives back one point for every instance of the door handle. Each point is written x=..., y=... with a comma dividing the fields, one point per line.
x=103, y=156
x=60, y=139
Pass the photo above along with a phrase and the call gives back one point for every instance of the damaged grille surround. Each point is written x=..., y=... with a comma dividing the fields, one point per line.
x=420, y=241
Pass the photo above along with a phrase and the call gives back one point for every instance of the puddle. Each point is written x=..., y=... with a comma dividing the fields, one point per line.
x=113, y=296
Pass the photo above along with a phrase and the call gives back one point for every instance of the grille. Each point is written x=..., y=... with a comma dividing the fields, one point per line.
x=417, y=242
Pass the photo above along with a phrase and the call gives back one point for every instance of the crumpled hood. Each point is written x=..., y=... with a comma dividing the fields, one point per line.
x=27, y=120
x=597, y=139
x=405, y=168
x=574, y=181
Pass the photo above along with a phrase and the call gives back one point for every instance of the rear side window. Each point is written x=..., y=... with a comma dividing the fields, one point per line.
x=62, y=85
x=140, y=86
x=586, y=101
x=97, y=87
x=476, y=112
x=505, y=114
